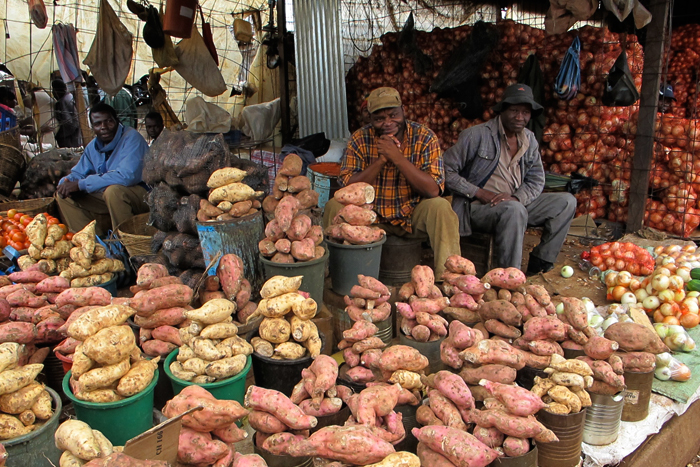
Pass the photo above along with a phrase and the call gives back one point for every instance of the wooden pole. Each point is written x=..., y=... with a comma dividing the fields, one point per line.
x=284, y=72
x=657, y=33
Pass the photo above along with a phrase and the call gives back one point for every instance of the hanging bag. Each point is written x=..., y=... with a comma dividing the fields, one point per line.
x=197, y=67
x=619, y=87
x=37, y=11
x=208, y=37
x=568, y=80
x=153, y=33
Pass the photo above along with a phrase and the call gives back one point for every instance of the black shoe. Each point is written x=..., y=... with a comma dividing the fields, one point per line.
x=536, y=265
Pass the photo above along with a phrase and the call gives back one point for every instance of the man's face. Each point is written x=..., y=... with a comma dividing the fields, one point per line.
x=516, y=117
x=153, y=128
x=664, y=104
x=10, y=101
x=388, y=121
x=104, y=126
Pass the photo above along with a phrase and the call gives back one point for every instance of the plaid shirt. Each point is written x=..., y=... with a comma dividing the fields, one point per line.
x=395, y=199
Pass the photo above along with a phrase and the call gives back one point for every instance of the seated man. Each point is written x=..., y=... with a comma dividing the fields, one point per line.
x=496, y=177
x=154, y=125
x=402, y=160
x=107, y=179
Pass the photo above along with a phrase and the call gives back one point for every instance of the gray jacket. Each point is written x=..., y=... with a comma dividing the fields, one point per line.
x=470, y=163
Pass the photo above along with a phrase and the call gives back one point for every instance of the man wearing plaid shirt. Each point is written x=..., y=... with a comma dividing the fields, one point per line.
x=403, y=161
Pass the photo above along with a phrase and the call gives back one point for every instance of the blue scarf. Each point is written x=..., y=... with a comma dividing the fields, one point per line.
x=110, y=147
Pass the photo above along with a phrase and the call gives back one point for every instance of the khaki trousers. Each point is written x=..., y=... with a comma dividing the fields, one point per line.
x=110, y=208
x=433, y=219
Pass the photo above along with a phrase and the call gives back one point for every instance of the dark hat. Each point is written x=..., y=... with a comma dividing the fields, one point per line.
x=518, y=94
x=667, y=91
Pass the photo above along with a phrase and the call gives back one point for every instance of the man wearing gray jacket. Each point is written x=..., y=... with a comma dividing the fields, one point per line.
x=496, y=178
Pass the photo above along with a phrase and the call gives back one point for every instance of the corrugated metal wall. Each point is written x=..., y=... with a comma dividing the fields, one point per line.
x=320, y=73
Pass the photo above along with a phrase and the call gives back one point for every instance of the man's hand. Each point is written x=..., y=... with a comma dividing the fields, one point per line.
x=386, y=147
x=67, y=188
x=500, y=197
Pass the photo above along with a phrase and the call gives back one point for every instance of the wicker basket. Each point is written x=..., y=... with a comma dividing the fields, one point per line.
x=30, y=206
x=135, y=234
x=12, y=161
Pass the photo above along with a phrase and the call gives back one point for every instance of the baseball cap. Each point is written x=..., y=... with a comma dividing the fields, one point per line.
x=667, y=91
x=383, y=98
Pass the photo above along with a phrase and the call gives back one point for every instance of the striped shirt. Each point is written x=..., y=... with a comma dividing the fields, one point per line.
x=395, y=200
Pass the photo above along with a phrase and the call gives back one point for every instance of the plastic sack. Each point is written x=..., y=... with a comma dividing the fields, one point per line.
x=259, y=120
x=197, y=66
x=568, y=80
x=619, y=87
x=37, y=11
x=204, y=117
x=110, y=55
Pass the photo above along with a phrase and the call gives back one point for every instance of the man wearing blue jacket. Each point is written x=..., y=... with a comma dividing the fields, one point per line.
x=106, y=183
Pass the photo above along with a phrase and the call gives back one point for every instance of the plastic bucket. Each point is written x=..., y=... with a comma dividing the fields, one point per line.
x=339, y=418
x=602, y=425
x=239, y=236
x=637, y=395
x=281, y=461
x=525, y=377
x=314, y=273
x=526, y=460
x=569, y=429
x=399, y=256
x=342, y=322
x=324, y=180
x=280, y=375
x=232, y=389
x=36, y=448
x=111, y=285
x=53, y=370
x=429, y=349
x=347, y=261
x=179, y=17
x=65, y=361
x=409, y=443
x=164, y=387
x=118, y=421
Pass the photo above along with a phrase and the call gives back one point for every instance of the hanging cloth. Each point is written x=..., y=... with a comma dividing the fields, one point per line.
x=37, y=11
x=197, y=67
x=568, y=80
x=208, y=37
x=110, y=55
x=66, y=47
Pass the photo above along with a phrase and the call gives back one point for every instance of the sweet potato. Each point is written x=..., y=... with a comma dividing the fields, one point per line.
x=519, y=401
x=215, y=414
x=19, y=332
x=103, y=377
x=515, y=447
x=267, y=247
x=276, y=403
x=30, y=276
x=459, y=265
x=248, y=460
x=356, y=193
x=500, y=310
x=328, y=406
x=545, y=348
x=512, y=425
x=498, y=328
x=122, y=460
x=269, y=204
x=361, y=235
x=21, y=400
x=93, y=320
x=149, y=272
x=89, y=296
x=199, y=448
x=493, y=351
x=274, y=231
x=225, y=176
x=163, y=317
x=640, y=362
x=633, y=337
x=429, y=305
x=508, y=278
x=230, y=434
x=148, y=301
x=299, y=228
x=355, y=215
x=575, y=312
x=491, y=437
x=55, y=284
x=303, y=250
x=138, y=377
x=429, y=457
x=226, y=367
x=446, y=411
x=600, y=348
x=541, y=328
x=291, y=165
x=459, y=447
x=77, y=438
x=402, y=357
x=283, y=245
x=25, y=298
x=497, y=373
x=286, y=210
x=230, y=272
x=423, y=279
x=359, y=374
x=265, y=422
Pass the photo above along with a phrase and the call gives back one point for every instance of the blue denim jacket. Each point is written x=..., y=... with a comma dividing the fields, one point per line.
x=470, y=163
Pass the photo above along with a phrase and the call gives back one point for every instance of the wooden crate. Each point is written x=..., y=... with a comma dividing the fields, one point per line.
x=478, y=248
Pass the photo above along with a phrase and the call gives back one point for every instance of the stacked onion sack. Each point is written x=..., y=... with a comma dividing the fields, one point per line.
x=230, y=284
x=24, y=403
x=229, y=198
x=286, y=331
x=316, y=394
x=420, y=302
x=367, y=304
x=107, y=364
x=207, y=435
x=353, y=223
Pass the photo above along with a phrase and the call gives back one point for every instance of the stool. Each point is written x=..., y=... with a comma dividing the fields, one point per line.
x=399, y=256
x=478, y=247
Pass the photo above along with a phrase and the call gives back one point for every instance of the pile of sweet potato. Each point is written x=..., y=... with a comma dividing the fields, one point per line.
x=107, y=364
x=419, y=303
x=229, y=198
x=286, y=331
x=316, y=394
x=290, y=182
x=24, y=403
x=374, y=408
x=207, y=435
x=230, y=283
x=81, y=444
x=353, y=223
x=565, y=389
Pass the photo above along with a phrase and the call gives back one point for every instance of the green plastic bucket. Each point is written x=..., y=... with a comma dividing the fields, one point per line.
x=347, y=261
x=36, y=448
x=230, y=389
x=118, y=421
x=314, y=273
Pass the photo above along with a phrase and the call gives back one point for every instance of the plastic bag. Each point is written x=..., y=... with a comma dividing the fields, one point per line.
x=197, y=67
x=153, y=33
x=619, y=87
x=110, y=55
x=259, y=120
x=568, y=80
x=204, y=117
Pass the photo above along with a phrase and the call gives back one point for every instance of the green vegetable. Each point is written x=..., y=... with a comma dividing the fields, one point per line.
x=695, y=273
x=693, y=285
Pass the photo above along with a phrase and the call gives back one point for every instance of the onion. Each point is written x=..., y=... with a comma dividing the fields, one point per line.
x=628, y=298
x=651, y=303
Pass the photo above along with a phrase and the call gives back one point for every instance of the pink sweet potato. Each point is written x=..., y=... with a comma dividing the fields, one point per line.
x=167, y=334
x=301, y=224
x=464, y=300
x=148, y=301
x=600, y=348
x=199, y=448
x=446, y=411
x=329, y=406
x=361, y=235
x=162, y=281
x=498, y=328
x=435, y=323
x=425, y=416
x=156, y=347
x=497, y=373
x=55, y=284
x=535, y=309
x=24, y=314
x=459, y=265
x=355, y=215
x=544, y=348
x=491, y=437
x=267, y=247
x=286, y=209
x=633, y=337
x=514, y=447
x=454, y=388
x=122, y=460
x=303, y=250
x=500, y=310
x=298, y=184
x=31, y=276
x=423, y=280
x=24, y=297
x=459, y=447
x=575, y=313
x=402, y=357
x=67, y=346
x=22, y=333
x=420, y=333
x=164, y=317
x=519, y=401
x=370, y=358
x=357, y=193
x=429, y=457
x=508, y=278
x=494, y=351
x=248, y=460
x=84, y=296
x=371, y=283
x=276, y=403
x=266, y=422
x=230, y=272
x=359, y=374
x=429, y=305
x=273, y=231
x=544, y=328
x=47, y=330
x=149, y=272
x=640, y=362
x=462, y=336
x=449, y=355
x=511, y=425
x=315, y=233
x=284, y=258
x=214, y=415
x=307, y=199
x=360, y=330
x=243, y=295
x=5, y=310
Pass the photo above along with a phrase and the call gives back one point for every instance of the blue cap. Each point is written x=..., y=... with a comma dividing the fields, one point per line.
x=667, y=91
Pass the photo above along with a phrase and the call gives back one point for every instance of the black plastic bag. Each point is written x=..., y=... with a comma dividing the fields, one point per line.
x=619, y=87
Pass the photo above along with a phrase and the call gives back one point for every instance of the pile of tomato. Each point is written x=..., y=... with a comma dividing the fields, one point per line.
x=13, y=226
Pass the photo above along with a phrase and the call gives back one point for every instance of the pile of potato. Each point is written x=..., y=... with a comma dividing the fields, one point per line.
x=353, y=223
x=290, y=183
x=230, y=284
x=316, y=394
x=107, y=364
x=80, y=443
x=229, y=198
x=286, y=332
x=207, y=435
x=211, y=349
x=88, y=265
x=419, y=303
x=24, y=403
x=564, y=390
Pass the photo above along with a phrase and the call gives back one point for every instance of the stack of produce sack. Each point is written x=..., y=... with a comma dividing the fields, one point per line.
x=107, y=364
x=211, y=349
x=207, y=436
x=24, y=403
x=316, y=394
x=45, y=170
x=286, y=331
x=353, y=223
x=367, y=304
x=230, y=284
x=228, y=198
x=420, y=302
x=290, y=182
x=564, y=390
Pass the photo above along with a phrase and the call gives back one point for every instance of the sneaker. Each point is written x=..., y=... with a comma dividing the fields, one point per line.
x=536, y=265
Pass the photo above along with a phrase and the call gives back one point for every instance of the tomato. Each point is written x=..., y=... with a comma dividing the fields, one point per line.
x=53, y=220
x=19, y=237
x=69, y=236
x=26, y=220
x=11, y=213
x=17, y=216
x=26, y=245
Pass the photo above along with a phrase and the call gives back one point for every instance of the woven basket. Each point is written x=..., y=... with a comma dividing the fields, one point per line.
x=12, y=161
x=29, y=206
x=136, y=235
